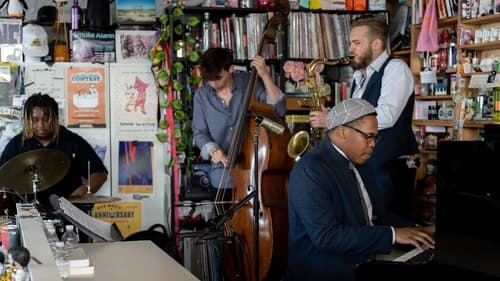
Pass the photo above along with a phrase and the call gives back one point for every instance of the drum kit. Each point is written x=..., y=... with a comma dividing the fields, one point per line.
x=34, y=171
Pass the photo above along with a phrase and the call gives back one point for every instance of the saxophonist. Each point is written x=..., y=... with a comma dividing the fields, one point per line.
x=386, y=83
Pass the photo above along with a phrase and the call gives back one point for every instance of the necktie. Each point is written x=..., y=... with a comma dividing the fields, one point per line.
x=362, y=195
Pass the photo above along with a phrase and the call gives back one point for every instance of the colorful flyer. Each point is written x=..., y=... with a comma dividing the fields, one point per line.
x=86, y=95
x=126, y=215
x=135, y=170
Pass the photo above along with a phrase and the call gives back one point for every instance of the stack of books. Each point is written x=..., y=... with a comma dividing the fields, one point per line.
x=79, y=263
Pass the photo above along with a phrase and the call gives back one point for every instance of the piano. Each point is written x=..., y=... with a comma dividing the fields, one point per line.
x=467, y=220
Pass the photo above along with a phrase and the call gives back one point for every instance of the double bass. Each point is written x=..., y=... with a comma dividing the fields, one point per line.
x=270, y=166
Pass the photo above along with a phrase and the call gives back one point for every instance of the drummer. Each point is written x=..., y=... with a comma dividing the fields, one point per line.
x=42, y=130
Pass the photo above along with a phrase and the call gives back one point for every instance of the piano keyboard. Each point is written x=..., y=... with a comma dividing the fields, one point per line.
x=416, y=256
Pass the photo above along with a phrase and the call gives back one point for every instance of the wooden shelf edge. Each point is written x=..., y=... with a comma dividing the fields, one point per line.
x=444, y=97
x=426, y=199
x=449, y=123
x=401, y=52
x=441, y=23
x=482, y=20
x=481, y=46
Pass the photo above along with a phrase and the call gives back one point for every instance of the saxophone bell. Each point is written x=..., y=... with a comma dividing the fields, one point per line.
x=302, y=141
x=298, y=145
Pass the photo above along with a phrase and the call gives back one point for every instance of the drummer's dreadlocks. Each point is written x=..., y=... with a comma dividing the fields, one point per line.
x=50, y=109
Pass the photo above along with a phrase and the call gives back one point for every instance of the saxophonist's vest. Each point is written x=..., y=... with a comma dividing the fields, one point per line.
x=397, y=140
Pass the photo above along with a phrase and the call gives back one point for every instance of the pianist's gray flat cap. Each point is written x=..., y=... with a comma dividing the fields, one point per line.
x=347, y=111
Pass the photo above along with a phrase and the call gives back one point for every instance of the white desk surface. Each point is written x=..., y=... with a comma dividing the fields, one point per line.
x=132, y=260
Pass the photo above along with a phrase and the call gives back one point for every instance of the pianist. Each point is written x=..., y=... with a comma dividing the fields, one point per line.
x=336, y=221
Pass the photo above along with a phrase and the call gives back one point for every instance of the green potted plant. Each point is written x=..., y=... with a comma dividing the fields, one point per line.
x=175, y=85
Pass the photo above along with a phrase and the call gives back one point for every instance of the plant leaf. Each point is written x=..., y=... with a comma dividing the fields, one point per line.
x=194, y=79
x=193, y=21
x=178, y=29
x=165, y=34
x=177, y=85
x=177, y=12
x=180, y=115
x=164, y=103
x=163, y=19
x=162, y=75
x=177, y=67
x=162, y=137
x=194, y=56
x=163, y=124
x=171, y=163
x=177, y=133
x=181, y=144
x=160, y=55
x=177, y=105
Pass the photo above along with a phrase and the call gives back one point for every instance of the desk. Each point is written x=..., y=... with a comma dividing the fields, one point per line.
x=120, y=261
x=132, y=260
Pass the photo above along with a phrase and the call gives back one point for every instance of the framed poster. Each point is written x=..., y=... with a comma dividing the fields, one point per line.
x=92, y=46
x=135, y=11
x=132, y=46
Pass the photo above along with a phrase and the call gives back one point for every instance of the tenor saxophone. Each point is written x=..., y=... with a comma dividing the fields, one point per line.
x=302, y=141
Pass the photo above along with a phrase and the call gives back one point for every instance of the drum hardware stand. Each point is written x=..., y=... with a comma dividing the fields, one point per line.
x=88, y=179
x=35, y=180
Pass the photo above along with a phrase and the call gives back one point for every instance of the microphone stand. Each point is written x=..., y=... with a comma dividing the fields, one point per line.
x=221, y=219
x=218, y=221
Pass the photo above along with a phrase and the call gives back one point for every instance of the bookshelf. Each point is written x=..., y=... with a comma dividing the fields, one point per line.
x=465, y=79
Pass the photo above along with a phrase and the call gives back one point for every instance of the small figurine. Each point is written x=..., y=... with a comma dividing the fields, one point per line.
x=19, y=258
x=15, y=8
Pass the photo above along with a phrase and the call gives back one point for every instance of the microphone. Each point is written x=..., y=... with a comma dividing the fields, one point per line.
x=269, y=124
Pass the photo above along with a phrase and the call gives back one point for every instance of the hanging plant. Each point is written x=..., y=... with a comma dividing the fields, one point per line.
x=169, y=76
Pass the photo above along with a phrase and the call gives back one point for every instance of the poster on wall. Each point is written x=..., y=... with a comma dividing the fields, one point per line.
x=133, y=46
x=86, y=88
x=135, y=167
x=10, y=124
x=134, y=98
x=126, y=215
x=10, y=114
x=41, y=78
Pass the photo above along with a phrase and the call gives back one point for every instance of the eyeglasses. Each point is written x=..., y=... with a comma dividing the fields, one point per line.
x=368, y=137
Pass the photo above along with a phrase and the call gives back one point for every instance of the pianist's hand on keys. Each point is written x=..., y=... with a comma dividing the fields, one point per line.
x=420, y=237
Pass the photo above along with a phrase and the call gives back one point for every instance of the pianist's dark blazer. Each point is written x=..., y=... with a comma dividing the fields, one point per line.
x=328, y=235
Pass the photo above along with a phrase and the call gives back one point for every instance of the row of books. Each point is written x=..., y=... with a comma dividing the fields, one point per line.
x=313, y=35
x=243, y=35
x=445, y=9
x=319, y=35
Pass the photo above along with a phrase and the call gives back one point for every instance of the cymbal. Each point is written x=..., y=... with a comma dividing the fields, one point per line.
x=93, y=199
x=50, y=165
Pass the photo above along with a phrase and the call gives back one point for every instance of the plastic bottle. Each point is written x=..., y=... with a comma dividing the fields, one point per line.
x=62, y=260
x=496, y=105
x=69, y=237
x=206, y=32
x=75, y=15
x=52, y=238
x=452, y=50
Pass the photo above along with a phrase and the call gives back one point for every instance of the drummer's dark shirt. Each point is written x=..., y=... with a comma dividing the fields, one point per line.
x=79, y=152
